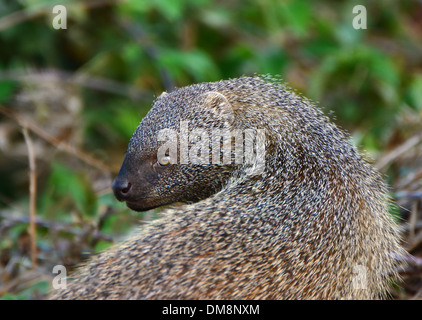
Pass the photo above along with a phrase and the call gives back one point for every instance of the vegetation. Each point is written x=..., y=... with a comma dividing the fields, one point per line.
x=79, y=93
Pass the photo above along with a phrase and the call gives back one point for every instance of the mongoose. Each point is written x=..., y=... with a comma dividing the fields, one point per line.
x=305, y=217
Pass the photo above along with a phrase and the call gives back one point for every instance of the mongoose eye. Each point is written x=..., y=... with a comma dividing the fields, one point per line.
x=164, y=160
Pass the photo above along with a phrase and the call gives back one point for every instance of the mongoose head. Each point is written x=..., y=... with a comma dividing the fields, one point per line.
x=163, y=163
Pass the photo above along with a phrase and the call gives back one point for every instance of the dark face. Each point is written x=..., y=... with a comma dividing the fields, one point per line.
x=145, y=183
x=151, y=176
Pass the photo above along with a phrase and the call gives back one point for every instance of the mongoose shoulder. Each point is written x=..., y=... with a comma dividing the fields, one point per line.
x=278, y=204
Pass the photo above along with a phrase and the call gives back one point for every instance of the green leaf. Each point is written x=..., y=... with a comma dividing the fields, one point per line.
x=76, y=186
x=298, y=16
x=102, y=245
x=172, y=10
x=140, y=6
x=126, y=120
x=196, y=63
x=414, y=92
x=109, y=200
x=383, y=68
x=9, y=296
x=39, y=288
x=6, y=90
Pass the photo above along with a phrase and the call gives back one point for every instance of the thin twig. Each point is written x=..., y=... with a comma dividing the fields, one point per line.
x=32, y=196
x=61, y=145
x=410, y=178
x=412, y=221
x=79, y=79
x=12, y=219
x=35, y=11
x=413, y=265
x=23, y=281
x=398, y=151
x=150, y=50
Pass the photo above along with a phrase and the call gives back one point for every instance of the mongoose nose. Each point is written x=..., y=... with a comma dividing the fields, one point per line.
x=121, y=188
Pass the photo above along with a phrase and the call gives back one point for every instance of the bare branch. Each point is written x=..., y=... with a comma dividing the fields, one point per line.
x=79, y=79
x=43, y=9
x=85, y=157
x=32, y=196
x=398, y=151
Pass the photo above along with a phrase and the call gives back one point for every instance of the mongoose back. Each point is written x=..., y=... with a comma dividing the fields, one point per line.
x=300, y=215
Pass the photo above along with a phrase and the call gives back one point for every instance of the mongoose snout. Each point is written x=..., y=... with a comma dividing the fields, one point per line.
x=121, y=189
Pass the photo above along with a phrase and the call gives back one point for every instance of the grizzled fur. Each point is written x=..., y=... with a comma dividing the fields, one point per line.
x=313, y=225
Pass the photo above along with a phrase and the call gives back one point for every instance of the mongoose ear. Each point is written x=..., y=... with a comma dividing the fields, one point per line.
x=218, y=103
x=163, y=94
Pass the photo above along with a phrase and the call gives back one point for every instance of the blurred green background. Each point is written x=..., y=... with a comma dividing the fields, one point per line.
x=88, y=87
